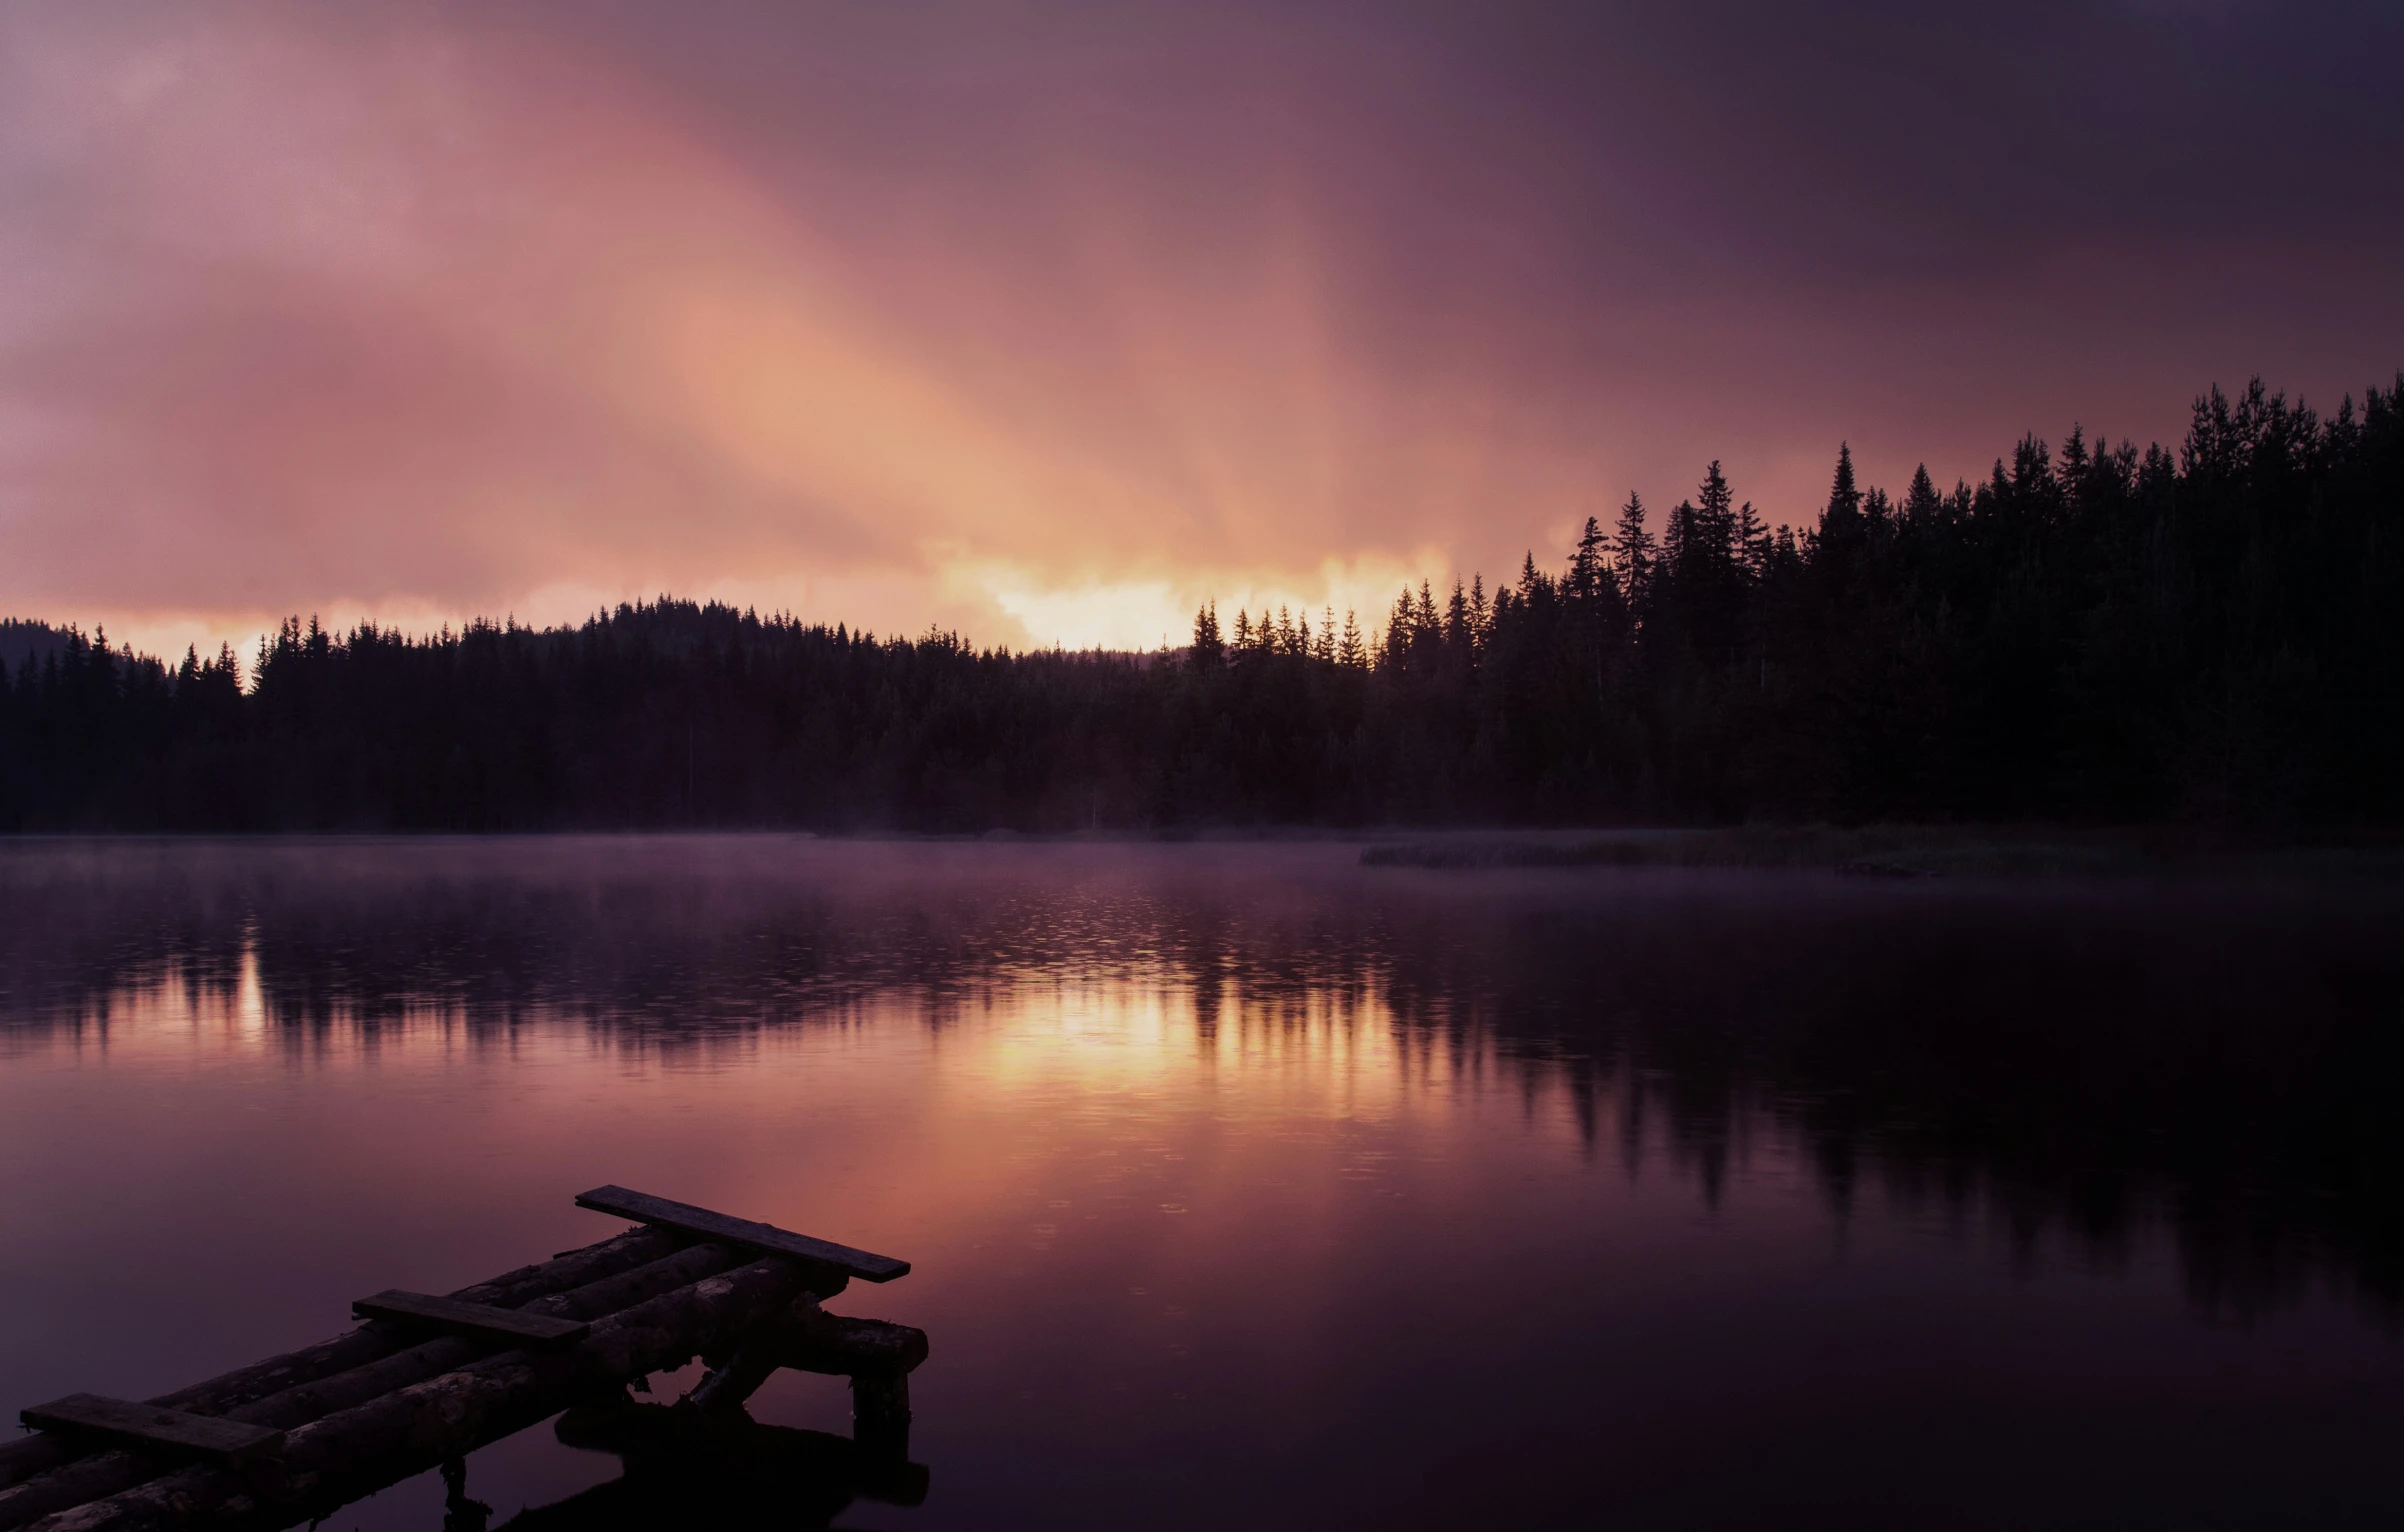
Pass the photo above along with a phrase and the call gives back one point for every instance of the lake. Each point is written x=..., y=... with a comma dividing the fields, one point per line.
x=1247, y=1185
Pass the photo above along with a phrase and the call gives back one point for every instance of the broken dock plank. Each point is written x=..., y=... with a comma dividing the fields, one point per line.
x=431, y=1379
x=767, y=1238
x=207, y=1436
x=478, y=1321
x=358, y=1451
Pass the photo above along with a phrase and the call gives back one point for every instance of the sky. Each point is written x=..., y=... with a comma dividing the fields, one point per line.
x=1044, y=323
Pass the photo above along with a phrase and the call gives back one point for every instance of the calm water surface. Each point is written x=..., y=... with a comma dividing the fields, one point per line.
x=1247, y=1186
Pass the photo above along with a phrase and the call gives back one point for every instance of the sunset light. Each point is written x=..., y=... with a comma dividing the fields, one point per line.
x=1157, y=765
x=424, y=314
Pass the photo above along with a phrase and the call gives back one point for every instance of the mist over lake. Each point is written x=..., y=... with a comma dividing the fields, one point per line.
x=1246, y=1183
x=874, y=768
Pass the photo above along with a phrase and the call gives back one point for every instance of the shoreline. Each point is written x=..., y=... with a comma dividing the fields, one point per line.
x=1896, y=851
x=1913, y=851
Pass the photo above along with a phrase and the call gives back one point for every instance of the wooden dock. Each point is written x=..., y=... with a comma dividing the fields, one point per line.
x=428, y=1379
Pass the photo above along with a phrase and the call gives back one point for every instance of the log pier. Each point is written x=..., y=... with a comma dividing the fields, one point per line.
x=428, y=1379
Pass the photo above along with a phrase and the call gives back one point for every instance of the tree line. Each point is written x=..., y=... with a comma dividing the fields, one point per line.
x=2093, y=633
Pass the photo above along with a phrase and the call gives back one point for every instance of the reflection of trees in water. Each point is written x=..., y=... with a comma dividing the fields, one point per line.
x=2075, y=1059
x=2084, y=1062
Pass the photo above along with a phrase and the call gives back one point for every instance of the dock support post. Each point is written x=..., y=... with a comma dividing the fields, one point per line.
x=728, y=1385
x=880, y=1413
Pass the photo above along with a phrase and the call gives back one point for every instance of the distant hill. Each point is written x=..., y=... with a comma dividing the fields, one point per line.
x=21, y=638
x=2206, y=634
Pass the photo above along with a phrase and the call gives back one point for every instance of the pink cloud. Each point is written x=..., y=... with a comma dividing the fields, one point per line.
x=425, y=313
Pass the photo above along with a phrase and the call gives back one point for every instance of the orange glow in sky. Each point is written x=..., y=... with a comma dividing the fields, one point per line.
x=1046, y=335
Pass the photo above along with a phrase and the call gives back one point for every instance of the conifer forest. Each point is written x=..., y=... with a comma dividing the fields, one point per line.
x=2092, y=633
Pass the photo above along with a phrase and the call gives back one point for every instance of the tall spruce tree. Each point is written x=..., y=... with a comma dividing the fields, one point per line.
x=2209, y=630
x=1209, y=651
x=1632, y=551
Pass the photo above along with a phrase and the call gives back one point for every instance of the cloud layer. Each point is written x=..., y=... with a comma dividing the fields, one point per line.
x=1046, y=322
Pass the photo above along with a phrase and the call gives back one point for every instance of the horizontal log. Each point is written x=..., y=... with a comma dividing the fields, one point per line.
x=809, y=1339
x=21, y=1460
x=432, y=1358
x=476, y=1321
x=767, y=1238
x=847, y=1347
x=208, y=1436
x=355, y=1452
x=110, y=1473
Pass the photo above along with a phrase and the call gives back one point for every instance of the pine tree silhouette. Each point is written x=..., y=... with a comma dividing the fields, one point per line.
x=2208, y=630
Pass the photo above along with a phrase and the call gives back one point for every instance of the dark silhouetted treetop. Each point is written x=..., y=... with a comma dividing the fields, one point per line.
x=2214, y=632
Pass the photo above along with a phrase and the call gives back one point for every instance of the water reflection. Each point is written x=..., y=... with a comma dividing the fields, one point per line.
x=2091, y=1058
x=2091, y=1195
x=679, y=1469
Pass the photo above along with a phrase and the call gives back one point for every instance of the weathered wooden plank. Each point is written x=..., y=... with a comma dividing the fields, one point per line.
x=349, y=1429
x=848, y=1347
x=478, y=1321
x=644, y=1208
x=44, y=1452
x=108, y=1473
x=209, y=1436
x=355, y=1452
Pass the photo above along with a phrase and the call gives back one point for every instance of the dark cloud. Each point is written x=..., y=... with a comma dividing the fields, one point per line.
x=966, y=308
